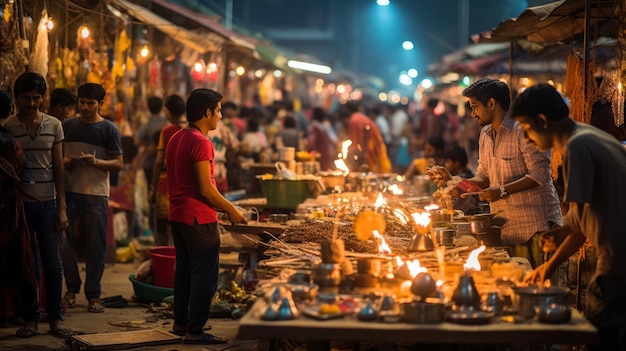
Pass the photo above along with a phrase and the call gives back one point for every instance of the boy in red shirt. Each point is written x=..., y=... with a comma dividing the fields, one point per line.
x=194, y=199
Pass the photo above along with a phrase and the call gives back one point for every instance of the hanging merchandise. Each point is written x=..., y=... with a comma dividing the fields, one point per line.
x=70, y=60
x=155, y=84
x=39, y=55
x=121, y=45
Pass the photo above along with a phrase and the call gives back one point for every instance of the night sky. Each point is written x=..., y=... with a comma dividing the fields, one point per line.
x=363, y=37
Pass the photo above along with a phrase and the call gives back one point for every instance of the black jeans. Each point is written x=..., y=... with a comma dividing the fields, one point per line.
x=197, y=269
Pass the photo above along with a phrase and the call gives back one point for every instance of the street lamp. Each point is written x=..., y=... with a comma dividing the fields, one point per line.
x=382, y=2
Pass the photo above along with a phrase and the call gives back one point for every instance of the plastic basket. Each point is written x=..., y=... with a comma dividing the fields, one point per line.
x=147, y=293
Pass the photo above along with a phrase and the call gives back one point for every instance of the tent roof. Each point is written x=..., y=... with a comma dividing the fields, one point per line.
x=199, y=42
x=209, y=23
x=550, y=23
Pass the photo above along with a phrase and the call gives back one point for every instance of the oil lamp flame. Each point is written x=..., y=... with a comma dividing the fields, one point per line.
x=421, y=218
x=395, y=189
x=344, y=148
x=431, y=207
x=413, y=267
x=380, y=201
x=341, y=165
x=383, y=248
x=472, y=263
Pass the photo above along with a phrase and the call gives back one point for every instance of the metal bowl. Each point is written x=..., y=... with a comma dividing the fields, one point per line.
x=554, y=313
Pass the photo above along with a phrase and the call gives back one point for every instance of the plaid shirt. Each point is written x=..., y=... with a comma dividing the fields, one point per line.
x=507, y=156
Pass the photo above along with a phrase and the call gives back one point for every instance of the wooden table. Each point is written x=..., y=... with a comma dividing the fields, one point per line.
x=319, y=333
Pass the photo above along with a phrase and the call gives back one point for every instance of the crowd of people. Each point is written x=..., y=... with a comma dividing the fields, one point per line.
x=61, y=166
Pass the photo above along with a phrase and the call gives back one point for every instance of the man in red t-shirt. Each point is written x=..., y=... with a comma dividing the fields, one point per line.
x=194, y=199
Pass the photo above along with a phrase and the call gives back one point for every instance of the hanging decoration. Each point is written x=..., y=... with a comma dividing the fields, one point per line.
x=39, y=55
x=121, y=45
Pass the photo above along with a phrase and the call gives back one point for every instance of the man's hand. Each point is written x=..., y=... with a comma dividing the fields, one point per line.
x=439, y=174
x=547, y=242
x=536, y=277
x=236, y=217
x=490, y=194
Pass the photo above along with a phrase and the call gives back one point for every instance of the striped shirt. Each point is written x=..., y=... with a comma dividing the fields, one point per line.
x=38, y=175
x=506, y=156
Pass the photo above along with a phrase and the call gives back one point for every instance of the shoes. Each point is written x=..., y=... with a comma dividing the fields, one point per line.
x=28, y=330
x=58, y=328
x=95, y=306
x=69, y=299
x=206, y=339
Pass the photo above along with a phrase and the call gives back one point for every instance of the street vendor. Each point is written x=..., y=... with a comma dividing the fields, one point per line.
x=594, y=169
x=514, y=176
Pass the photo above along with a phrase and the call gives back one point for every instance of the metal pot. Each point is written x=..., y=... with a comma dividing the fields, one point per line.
x=528, y=299
x=422, y=312
x=326, y=274
x=480, y=224
x=444, y=236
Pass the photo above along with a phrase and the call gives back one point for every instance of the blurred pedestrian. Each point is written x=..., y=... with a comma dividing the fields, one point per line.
x=367, y=142
x=157, y=194
x=93, y=149
x=320, y=141
x=594, y=169
x=194, y=200
x=41, y=136
x=62, y=104
x=432, y=155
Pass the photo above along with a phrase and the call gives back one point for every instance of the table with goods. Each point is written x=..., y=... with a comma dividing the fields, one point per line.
x=390, y=262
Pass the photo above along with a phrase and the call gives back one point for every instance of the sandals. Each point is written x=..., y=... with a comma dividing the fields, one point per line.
x=206, y=339
x=69, y=299
x=28, y=330
x=95, y=306
x=59, y=329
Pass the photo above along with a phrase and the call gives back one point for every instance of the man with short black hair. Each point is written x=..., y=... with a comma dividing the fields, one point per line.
x=594, y=169
x=62, y=104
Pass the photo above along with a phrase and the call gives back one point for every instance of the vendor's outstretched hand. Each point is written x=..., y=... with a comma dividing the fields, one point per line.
x=439, y=174
x=536, y=277
x=236, y=217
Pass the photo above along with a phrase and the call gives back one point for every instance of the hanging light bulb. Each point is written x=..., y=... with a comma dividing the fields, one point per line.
x=145, y=51
x=83, y=31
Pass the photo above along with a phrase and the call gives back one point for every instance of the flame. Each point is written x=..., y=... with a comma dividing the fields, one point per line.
x=431, y=207
x=383, y=248
x=395, y=189
x=400, y=215
x=472, y=261
x=341, y=165
x=344, y=148
x=380, y=201
x=413, y=266
x=421, y=218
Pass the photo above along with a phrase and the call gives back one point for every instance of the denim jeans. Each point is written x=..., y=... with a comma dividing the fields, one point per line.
x=87, y=215
x=47, y=254
x=197, y=268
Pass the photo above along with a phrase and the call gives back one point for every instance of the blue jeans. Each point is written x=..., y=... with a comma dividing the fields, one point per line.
x=197, y=268
x=88, y=215
x=48, y=255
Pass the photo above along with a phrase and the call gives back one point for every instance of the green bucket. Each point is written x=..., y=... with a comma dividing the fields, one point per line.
x=288, y=194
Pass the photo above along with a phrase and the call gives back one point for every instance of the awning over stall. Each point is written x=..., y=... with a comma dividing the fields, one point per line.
x=550, y=23
x=200, y=42
x=209, y=23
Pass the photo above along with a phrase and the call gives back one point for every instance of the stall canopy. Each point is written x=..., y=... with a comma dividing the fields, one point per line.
x=200, y=42
x=551, y=23
x=209, y=23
